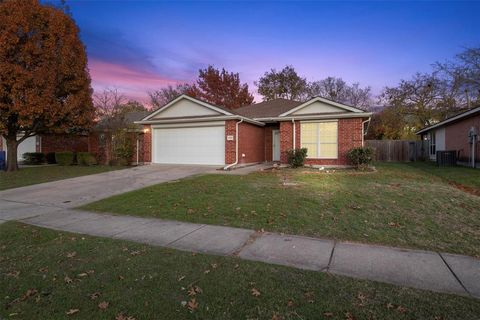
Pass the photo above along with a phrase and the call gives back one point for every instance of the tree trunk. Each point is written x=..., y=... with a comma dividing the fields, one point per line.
x=12, y=146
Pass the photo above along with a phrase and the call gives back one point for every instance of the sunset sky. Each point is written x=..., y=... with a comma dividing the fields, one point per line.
x=138, y=46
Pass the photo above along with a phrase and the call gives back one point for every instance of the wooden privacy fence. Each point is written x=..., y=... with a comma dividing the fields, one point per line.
x=399, y=150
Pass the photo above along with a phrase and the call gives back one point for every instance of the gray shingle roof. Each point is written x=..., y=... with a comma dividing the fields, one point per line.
x=266, y=109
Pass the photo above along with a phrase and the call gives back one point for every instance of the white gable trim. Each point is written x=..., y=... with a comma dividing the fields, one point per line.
x=184, y=96
x=320, y=99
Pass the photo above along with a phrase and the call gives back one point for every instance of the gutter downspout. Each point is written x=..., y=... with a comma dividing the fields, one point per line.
x=364, y=132
x=294, y=134
x=138, y=144
x=236, y=147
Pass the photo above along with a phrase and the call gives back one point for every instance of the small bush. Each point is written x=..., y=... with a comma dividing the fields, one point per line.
x=50, y=157
x=123, y=147
x=296, y=157
x=86, y=159
x=360, y=157
x=64, y=158
x=33, y=158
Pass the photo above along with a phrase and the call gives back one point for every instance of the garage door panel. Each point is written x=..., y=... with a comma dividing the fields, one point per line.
x=192, y=145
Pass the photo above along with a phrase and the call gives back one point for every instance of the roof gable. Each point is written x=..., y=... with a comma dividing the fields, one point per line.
x=320, y=105
x=458, y=117
x=186, y=106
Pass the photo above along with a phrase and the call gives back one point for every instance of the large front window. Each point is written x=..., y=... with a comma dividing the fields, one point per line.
x=320, y=139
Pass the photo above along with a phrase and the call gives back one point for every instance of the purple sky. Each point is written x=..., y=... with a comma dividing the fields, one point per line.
x=138, y=46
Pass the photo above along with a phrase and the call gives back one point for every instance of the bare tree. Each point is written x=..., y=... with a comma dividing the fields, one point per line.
x=423, y=100
x=338, y=90
x=161, y=97
x=463, y=75
x=108, y=105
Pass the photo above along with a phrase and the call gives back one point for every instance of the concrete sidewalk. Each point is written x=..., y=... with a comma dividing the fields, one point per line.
x=410, y=268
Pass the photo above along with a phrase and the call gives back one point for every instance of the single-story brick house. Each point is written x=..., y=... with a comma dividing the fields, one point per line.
x=459, y=133
x=98, y=141
x=46, y=143
x=191, y=131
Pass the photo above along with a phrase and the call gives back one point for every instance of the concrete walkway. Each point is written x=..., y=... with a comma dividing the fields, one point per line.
x=50, y=205
x=410, y=268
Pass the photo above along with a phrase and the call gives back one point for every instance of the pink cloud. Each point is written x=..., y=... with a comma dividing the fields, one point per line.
x=132, y=83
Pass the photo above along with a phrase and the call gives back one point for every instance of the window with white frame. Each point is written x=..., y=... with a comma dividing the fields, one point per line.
x=432, y=143
x=320, y=139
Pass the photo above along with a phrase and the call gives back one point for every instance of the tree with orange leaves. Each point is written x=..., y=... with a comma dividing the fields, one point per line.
x=44, y=80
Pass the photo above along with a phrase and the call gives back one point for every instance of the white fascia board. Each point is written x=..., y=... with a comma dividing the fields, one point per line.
x=444, y=122
x=319, y=117
x=184, y=96
x=205, y=119
x=320, y=99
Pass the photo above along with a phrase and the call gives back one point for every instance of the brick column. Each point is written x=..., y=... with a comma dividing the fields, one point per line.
x=147, y=143
x=286, y=138
x=230, y=145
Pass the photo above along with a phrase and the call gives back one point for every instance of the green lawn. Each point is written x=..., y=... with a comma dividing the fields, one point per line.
x=33, y=175
x=400, y=205
x=463, y=176
x=44, y=274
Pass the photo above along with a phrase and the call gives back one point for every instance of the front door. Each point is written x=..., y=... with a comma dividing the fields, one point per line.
x=276, y=145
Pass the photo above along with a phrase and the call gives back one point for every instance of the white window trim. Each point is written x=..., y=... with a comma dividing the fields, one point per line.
x=318, y=139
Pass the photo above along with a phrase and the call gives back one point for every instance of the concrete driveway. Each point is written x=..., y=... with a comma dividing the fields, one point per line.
x=41, y=198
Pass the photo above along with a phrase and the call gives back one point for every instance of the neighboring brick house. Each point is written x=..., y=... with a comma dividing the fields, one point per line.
x=47, y=143
x=98, y=141
x=459, y=133
x=191, y=131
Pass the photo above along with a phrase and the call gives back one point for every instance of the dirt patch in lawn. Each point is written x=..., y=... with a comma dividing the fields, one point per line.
x=467, y=189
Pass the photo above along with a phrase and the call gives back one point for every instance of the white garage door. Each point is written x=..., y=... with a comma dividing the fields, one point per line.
x=189, y=145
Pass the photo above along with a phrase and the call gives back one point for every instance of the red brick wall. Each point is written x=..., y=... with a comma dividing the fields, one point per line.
x=286, y=138
x=456, y=137
x=230, y=145
x=147, y=143
x=59, y=143
x=251, y=142
x=349, y=136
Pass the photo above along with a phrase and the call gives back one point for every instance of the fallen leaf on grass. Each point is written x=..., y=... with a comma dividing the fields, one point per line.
x=255, y=292
x=328, y=314
x=103, y=305
x=14, y=274
x=71, y=254
x=394, y=224
x=181, y=278
x=72, y=311
x=121, y=316
x=28, y=294
x=401, y=309
x=94, y=295
x=192, y=304
x=309, y=296
x=349, y=316
x=276, y=316
x=81, y=275
x=194, y=290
